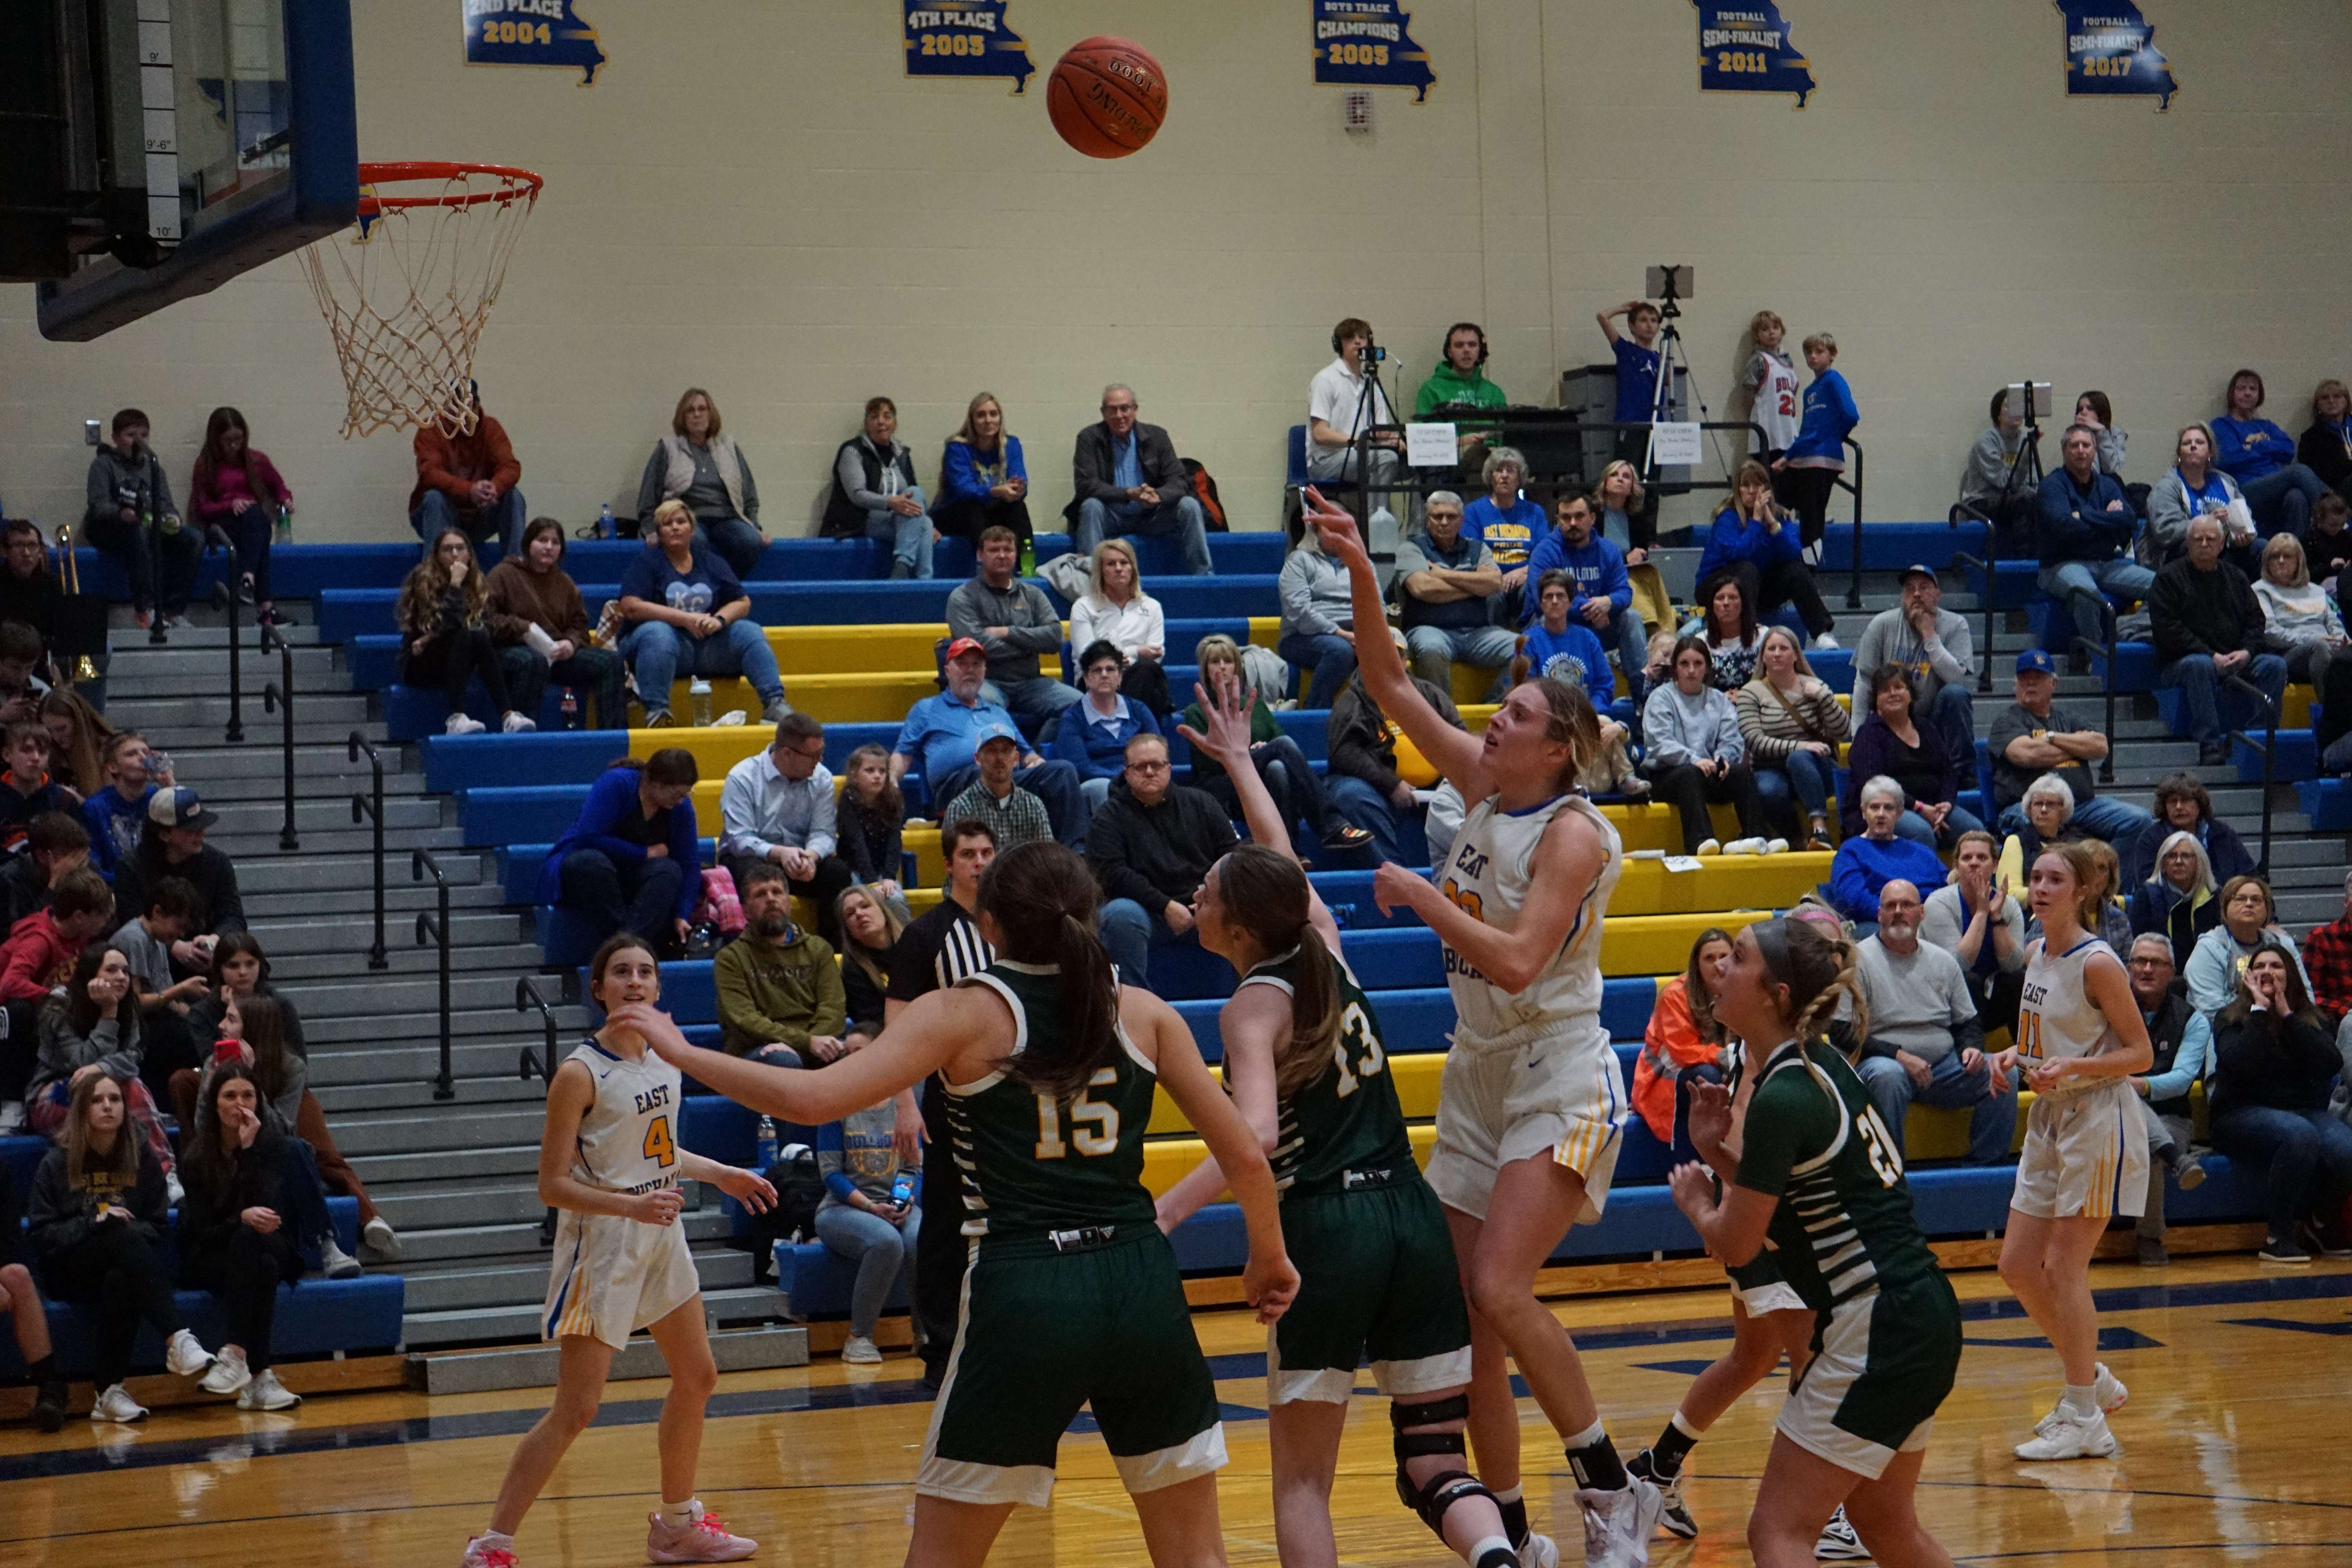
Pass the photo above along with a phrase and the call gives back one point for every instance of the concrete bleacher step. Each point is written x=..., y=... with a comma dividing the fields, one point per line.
x=321, y=772
x=414, y=1093
x=202, y=709
x=371, y=1062
x=318, y=869
x=406, y=959
x=344, y=840
x=475, y=1161
x=483, y=1325
x=534, y=1367
x=500, y=1023
x=440, y=1288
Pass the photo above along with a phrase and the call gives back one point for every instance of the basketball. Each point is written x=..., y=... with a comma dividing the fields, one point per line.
x=1107, y=97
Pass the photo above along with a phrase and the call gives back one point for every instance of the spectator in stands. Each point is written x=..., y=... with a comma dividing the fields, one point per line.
x=1559, y=645
x=2193, y=487
x=2095, y=414
x=1128, y=479
x=1451, y=589
x=2249, y=919
x=2048, y=818
x=2275, y=1064
x=169, y=1045
x=2326, y=445
x=254, y=1036
x=98, y=1214
x=2299, y=617
x=1505, y=521
x=869, y=823
x=1619, y=500
x=1372, y=776
x=1682, y=1044
x=38, y=958
x=1975, y=918
x=983, y=482
x=631, y=860
x=116, y=815
x=1696, y=755
x=2182, y=804
x=2328, y=961
x=1119, y=612
x=1752, y=541
x=2329, y=543
x=1893, y=743
x=444, y=635
x=130, y=515
x=2033, y=736
x=690, y=615
x=26, y=788
x=237, y=490
x=1603, y=595
x=77, y=737
x=250, y=1199
x=870, y=930
x=2085, y=530
x=1991, y=484
x=941, y=734
x=2261, y=458
x=92, y=1026
x=1012, y=813
x=1636, y=353
x=174, y=846
x=1096, y=730
x=2177, y=900
x=866, y=1217
x=1791, y=725
x=55, y=846
x=1924, y=1043
x=1769, y=381
x=537, y=618
x=1810, y=467
x=20, y=1303
x=20, y=689
x=779, y=991
x=1459, y=380
x=2183, y=1040
x=2207, y=623
x=1318, y=618
x=699, y=466
x=1015, y=623
x=1153, y=843
x=1865, y=866
x=875, y=495
x=1289, y=777
x=29, y=595
x=1727, y=620
x=467, y=482
x=1935, y=648
x=1342, y=405
x=777, y=808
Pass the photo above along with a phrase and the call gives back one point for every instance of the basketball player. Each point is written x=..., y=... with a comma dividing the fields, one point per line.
x=2084, y=1160
x=1073, y=1294
x=610, y=1165
x=1529, y=1102
x=1820, y=1178
x=1304, y=1060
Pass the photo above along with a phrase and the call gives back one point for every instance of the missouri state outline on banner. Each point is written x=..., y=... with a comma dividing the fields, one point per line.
x=1369, y=43
x=968, y=39
x=1746, y=49
x=531, y=33
x=2111, y=52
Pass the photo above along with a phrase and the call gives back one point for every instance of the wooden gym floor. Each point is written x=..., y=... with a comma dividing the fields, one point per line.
x=2237, y=1446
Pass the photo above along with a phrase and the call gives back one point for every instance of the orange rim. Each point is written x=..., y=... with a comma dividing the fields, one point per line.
x=519, y=184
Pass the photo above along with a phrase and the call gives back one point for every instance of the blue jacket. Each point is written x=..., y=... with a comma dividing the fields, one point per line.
x=1574, y=655
x=959, y=478
x=1830, y=418
x=1864, y=866
x=1736, y=537
x=610, y=800
x=1099, y=751
x=1599, y=569
x=114, y=826
x=2246, y=449
x=2083, y=522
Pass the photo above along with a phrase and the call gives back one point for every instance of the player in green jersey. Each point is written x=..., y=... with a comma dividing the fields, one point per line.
x=1854, y=1429
x=1072, y=1296
x=1305, y=1061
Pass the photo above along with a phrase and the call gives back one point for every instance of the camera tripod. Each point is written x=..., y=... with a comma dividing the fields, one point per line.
x=1673, y=358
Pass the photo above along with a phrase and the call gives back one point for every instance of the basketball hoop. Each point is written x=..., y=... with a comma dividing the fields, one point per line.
x=407, y=292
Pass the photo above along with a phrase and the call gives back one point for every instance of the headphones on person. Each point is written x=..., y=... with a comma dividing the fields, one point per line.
x=1465, y=327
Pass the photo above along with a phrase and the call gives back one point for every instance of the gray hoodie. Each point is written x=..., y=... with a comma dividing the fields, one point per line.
x=1988, y=469
x=116, y=481
x=1679, y=729
x=1315, y=594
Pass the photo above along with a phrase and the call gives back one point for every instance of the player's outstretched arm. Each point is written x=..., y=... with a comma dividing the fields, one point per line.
x=1568, y=861
x=569, y=1097
x=1252, y=1022
x=921, y=1041
x=1227, y=739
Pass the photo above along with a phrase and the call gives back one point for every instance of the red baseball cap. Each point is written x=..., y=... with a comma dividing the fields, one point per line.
x=964, y=646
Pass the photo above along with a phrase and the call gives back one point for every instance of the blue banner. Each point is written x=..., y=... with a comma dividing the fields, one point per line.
x=1746, y=49
x=967, y=39
x=2110, y=50
x=530, y=33
x=1366, y=43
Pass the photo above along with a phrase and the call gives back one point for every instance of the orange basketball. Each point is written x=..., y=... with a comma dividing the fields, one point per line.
x=1107, y=97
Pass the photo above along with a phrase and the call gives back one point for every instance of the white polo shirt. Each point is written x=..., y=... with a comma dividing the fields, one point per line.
x=1335, y=397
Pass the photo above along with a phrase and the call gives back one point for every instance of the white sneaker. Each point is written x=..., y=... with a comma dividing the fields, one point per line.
x=335, y=1263
x=186, y=1356
x=116, y=1404
x=1744, y=847
x=1826, y=640
x=266, y=1393
x=490, y=1552
x=1838, y=1543
x=462, y=724
x=1618, y=1525
x=1774, y=846
x=2063, y=1435
x=516, y=723
x=2109, y=1391
x=229, y=1373
x=1710, y=846
x=174, y=1193
x=1538, y=1552
x=861, y=1352
x=379, y=1239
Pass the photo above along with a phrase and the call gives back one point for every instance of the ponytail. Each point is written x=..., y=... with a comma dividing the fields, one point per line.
x=1315, y=1016
x=1042, y=898
x=1266, y=894
x=1817, y=967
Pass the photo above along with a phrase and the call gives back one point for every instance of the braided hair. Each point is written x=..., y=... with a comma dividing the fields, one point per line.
x=1816, y=967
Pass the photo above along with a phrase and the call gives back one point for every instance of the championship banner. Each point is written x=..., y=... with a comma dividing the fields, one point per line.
x=530, y=33
x=1746, y=49
x=968, y=39
x=1365, y=43
x=2110, y=51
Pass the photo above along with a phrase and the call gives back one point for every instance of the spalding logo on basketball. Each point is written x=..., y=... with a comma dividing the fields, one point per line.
x=1107, y=97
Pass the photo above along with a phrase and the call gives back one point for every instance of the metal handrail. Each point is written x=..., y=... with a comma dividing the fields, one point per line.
x=1854, y=583
x=225, y=599
x=279, y=694
x=1992, y=555
x=365, y=807
x=2268, y=747
x=431, y=925
x=527, y=997
x=2107, y=651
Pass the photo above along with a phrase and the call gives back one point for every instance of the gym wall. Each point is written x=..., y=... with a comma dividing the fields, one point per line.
x=755, y=199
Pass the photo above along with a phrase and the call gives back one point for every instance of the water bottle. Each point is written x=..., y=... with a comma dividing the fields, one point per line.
x=285, y=524
x=699, y=692
x=571, y=708
x=902, y=1190
x=1028, y=558
x=171, y=523
x=765, y=1144
x=604, y=521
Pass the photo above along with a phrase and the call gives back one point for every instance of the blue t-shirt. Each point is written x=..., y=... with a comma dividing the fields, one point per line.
x=1574, y=655
x=699, y=589
x=114, y=826
x=1637, y=381
x=1508, y=535
x=2247, y=449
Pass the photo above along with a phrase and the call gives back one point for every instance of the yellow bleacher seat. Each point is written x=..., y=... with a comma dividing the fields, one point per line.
x=851, y=650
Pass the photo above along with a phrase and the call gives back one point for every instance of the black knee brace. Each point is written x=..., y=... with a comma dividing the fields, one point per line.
x=1432, y=1498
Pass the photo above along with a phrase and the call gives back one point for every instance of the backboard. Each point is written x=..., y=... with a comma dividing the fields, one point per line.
x=188, y=141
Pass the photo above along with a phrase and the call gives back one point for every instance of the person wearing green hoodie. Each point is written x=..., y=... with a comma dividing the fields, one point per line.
x=780, y=998
x=1460, y=378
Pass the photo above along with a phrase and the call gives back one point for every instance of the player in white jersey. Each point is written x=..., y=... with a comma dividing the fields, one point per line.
x=2080, y=1037
x=609, y=1162
x=1529, y=1105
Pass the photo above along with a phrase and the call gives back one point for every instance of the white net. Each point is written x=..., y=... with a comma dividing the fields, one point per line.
x=408, y=291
